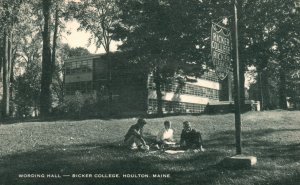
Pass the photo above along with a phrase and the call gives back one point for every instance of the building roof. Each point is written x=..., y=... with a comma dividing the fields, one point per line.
x=85, y=57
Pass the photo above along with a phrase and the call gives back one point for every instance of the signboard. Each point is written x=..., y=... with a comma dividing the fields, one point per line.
x=220, y=50
x=297, y=3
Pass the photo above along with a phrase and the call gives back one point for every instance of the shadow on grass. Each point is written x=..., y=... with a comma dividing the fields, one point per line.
x=290, y=180
x=185, y=168
x=104, y=159
x=256, y=139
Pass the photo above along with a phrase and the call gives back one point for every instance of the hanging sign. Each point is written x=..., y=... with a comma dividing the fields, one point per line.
x=297, y=3
x=220, y=50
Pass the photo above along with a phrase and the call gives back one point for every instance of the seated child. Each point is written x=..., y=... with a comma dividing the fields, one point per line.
x=165, y=136
x=134, y=138
x=190, y=138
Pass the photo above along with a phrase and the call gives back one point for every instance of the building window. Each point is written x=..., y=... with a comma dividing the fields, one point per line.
x=78, y=67
x=189, y=89
x=176, y=107
x=211, y=76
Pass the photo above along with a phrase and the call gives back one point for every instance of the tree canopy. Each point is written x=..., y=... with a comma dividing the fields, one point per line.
x=169, y=38
x=98, y=17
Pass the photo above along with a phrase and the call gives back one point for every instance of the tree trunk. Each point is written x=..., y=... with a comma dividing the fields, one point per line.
x=282, y=88
x=242, y=83
x=109, y=76
x=7, y=54
x=157, y=81
x=11, y=91
x=55, y=38
x=5, y=100
x=1, y=56
x=45, y=99
x=264, y=93
x=54, y=41
x=57, y=70
x=110, y=95
x=265, y=90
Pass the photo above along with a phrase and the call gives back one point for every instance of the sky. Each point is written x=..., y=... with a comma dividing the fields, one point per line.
x=80, y=38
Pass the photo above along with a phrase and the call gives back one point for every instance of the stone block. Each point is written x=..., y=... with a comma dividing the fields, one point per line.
x=239, y=162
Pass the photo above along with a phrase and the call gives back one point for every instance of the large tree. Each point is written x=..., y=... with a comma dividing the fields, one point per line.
x=267, y=37
x=167, y=37
x=273, y=44
x=9, y=13
x=98, y=17
x=27, y=69
x=45, y=97
x=29, y=22
x=50, y=9
x=27, y=89
x=287, y=37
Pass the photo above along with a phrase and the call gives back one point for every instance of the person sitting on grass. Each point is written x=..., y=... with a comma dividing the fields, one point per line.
x=134, y=138
x=165, y=136
x=190, y=138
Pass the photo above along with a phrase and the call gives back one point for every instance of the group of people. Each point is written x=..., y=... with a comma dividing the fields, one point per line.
x=189, y=138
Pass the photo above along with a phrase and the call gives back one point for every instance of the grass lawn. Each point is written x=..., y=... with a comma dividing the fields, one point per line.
x=92, y=147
